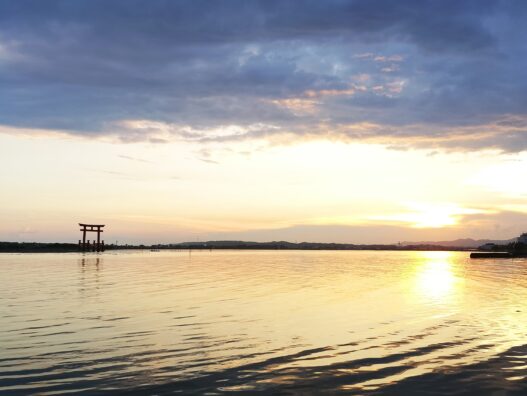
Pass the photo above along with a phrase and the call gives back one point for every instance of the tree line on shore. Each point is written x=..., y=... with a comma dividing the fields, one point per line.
x=38, y=247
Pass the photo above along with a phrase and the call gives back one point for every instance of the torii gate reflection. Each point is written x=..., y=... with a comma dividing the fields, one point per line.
x=96, y=246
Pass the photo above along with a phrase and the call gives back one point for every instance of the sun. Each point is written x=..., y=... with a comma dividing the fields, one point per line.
x=422, y=215
x=433, y=217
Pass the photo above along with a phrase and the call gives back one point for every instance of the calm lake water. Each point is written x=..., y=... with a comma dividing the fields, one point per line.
x=270, y=322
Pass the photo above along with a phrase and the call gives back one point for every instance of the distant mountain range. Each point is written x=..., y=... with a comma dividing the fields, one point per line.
x=459, y=244
x=464, y=242
x=468, y=243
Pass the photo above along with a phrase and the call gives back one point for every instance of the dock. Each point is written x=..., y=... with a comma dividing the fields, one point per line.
x=483, y=255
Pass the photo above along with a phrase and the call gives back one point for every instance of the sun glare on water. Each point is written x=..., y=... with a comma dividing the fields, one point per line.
x=435, y=278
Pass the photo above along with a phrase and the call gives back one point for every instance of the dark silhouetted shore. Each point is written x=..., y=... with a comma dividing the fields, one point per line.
x=36, y=247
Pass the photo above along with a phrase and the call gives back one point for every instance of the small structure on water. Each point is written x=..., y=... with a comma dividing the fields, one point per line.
x=96, y=246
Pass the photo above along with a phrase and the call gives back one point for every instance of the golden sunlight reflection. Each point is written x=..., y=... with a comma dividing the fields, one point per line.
x=435, y=277
x=350, y=321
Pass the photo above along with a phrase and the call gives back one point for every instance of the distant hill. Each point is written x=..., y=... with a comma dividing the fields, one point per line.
x=304, y=246
x=464, y=242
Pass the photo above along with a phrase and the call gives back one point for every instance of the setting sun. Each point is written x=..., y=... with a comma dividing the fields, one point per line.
x=421, y=215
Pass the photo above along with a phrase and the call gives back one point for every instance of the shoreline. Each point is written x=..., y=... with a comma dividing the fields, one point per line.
x=70, y=248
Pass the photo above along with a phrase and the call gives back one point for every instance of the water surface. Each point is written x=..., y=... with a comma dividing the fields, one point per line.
x=281, y=322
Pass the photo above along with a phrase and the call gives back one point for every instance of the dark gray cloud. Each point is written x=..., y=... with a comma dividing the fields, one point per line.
x=423, y=72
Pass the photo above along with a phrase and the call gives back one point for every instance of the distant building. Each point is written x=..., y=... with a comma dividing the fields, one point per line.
x=523, y=238
x=487, y=247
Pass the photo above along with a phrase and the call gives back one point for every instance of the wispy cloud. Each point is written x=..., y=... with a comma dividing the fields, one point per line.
x=127, y=157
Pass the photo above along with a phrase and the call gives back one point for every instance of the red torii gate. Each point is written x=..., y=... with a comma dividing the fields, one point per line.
x=96, y=246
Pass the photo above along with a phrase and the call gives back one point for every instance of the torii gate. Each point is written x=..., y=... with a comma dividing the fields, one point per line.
x=96, y=246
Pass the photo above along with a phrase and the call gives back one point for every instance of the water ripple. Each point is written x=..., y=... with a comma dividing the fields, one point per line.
x=262, y=322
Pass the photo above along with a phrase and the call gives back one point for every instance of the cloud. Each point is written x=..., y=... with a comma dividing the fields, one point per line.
x=423, y=71
x=208, y=161
x=477, y=224
x=127, y=157
x=507, y=134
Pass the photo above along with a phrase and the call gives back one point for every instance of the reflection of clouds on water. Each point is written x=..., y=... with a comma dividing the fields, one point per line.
x=435, y=278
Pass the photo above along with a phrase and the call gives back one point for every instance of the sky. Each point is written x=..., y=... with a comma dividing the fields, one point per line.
x=331, y=121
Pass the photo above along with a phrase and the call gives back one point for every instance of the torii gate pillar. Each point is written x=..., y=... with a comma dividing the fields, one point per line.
x=97, y=246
